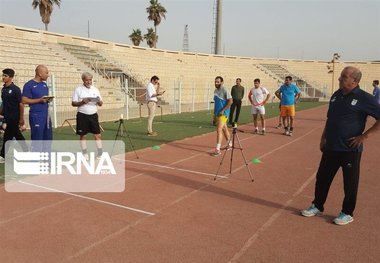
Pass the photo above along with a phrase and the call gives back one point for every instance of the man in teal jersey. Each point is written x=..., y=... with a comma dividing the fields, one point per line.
x=222, y=104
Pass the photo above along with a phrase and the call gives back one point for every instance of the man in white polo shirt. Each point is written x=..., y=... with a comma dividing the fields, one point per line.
x=258, y=96
x=87, y=97
x=152, y=92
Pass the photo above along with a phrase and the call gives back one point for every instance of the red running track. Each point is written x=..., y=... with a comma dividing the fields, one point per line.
x=183, y=215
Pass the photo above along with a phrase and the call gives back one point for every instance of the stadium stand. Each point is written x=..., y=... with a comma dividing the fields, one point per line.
x=121, y=72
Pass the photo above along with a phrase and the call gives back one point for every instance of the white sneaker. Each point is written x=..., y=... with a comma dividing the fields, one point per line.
x=216, y=153
x=343, y=219
x=228, y=147
x=2, y=159
x=311, y=211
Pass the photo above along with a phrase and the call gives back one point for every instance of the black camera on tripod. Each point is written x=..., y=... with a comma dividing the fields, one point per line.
x=234, y=138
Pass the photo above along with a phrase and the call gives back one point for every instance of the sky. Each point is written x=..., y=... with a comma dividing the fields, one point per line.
x=304, y=29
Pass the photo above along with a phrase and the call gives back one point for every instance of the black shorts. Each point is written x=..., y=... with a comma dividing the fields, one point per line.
x=87, y=124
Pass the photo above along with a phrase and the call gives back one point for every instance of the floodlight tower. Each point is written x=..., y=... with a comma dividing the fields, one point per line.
x=185, y=46
x=216, y=45
x=331, y=69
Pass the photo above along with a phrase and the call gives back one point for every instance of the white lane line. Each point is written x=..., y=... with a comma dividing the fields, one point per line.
x=278, y=148
x=237, y=255
x=270, y=221
x=171, y=168
x=36, y=210
x=133, y=224
x=88, y=198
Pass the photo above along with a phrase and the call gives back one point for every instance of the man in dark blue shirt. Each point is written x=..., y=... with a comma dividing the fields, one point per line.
x=13, y=111
x=342, y=143
x=36, y=94
x=376, y=90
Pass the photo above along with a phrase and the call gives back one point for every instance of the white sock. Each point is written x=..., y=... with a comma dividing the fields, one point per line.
x=218, y=146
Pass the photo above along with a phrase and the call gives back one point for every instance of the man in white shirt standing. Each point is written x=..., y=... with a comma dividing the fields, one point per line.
x=258, y=96
x=152, y=92
x=87, y=97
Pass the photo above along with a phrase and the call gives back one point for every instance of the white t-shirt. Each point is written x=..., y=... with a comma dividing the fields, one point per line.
x=150, y=91
x=83, y=92
x=258, y=95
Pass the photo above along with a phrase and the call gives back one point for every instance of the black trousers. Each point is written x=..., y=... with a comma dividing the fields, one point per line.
x=330, y=163
x=235, y=104
x=12, y=130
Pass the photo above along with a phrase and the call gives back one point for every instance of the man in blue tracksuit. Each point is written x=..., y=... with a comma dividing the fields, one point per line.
x=35, y=93
x=13, y=111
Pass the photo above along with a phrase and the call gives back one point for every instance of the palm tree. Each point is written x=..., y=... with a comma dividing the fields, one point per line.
x=136, y=37
x=151, y=37
x=156, y=11
x=46, y=8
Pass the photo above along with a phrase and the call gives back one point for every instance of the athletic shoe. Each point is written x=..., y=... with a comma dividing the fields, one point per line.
x=311, y=211
x=279, y=126
x=290, y=133
x=262, y=132
x=228, y=147
x=286, y=132
x=343, y=219
x=2, y=159
x=256, y=131
x=85, y=155
x=152, y=134
x=216, y=153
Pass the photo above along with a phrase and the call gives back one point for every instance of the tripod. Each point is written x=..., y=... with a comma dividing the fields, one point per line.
x=235, y=137
x=120, y=133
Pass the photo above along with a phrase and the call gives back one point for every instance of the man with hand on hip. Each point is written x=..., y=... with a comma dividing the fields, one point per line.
x=342, y=143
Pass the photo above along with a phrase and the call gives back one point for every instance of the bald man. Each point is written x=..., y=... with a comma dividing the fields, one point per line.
x=342, y=143
x=35, y=93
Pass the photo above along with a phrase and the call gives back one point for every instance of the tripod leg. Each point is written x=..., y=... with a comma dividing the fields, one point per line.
x=130, y=141
x=117, y=134
x=245, y=159
x=232, y=150
x=220, y=165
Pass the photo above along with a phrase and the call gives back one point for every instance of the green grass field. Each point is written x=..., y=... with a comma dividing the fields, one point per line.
x=170, y=128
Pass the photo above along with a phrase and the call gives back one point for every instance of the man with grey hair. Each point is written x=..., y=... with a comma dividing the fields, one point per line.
x=342, y=143
x=87, y=97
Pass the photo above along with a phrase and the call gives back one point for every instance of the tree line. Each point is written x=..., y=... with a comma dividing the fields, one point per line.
x=155, y=13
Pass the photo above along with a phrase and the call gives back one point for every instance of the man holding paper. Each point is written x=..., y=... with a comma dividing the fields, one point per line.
x=87, y=97
x=36, y=94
